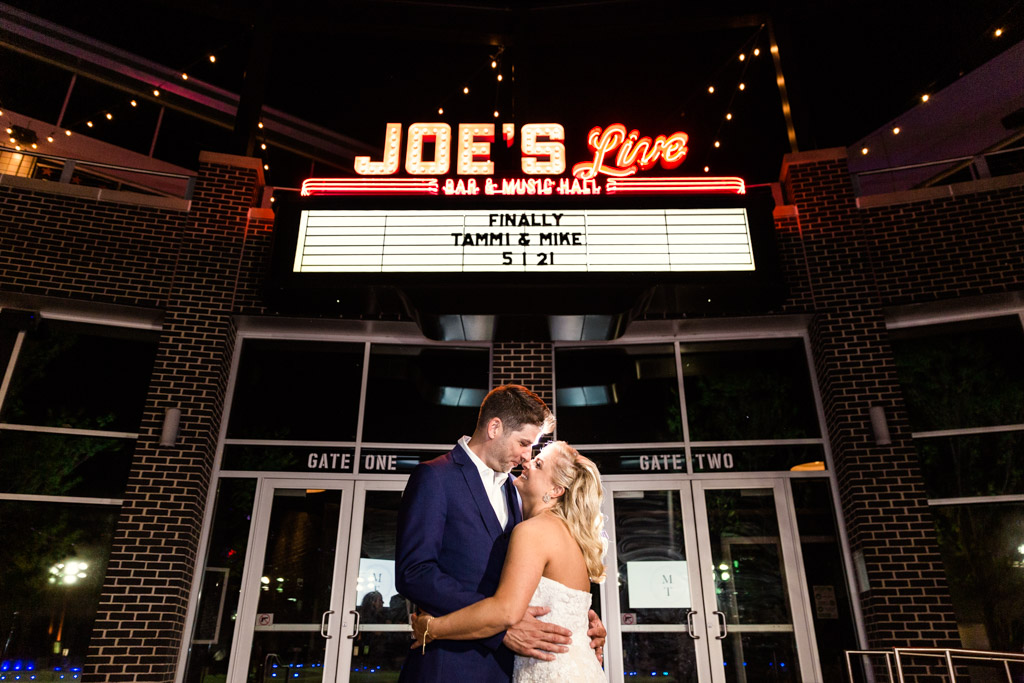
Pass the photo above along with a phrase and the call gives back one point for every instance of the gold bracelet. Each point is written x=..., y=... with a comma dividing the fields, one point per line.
x=426, y=632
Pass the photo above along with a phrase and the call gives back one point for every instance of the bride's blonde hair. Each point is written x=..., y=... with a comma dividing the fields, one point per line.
x=580, y=506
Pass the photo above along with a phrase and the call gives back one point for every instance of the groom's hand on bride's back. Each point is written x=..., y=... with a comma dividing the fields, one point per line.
x=597, y=633
x=538, y=639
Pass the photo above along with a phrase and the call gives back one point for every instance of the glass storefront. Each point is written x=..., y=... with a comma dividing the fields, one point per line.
x=68, y=423
x=676, y=428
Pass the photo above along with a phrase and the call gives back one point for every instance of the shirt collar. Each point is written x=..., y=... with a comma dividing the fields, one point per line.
x=488, y=475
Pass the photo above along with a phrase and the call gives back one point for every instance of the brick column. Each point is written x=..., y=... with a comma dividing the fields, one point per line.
x=526, y=363
x=140, y=623
x=906, y=601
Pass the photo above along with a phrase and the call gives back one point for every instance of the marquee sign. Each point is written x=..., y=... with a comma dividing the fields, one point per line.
x=493, y=221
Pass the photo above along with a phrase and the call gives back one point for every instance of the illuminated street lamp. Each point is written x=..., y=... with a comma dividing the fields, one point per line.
x=68, y=573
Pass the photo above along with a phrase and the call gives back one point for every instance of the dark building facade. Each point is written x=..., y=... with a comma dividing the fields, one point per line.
x=198, y=487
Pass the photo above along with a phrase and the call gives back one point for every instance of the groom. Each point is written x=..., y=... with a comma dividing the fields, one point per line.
x=454, y=526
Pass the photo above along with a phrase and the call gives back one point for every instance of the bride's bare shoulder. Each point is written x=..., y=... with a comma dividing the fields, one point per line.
x=541, y=526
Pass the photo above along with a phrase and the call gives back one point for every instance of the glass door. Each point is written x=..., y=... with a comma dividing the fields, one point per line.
x=291, y=601
x=709, y=583
x=759, y=628
x=376, y=627
x=655, y=618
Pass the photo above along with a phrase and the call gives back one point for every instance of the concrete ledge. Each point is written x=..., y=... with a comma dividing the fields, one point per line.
x=810, y=157
x=785, y=211
x=261, y=215
x=941, y=192
x=233, y=161
x=97, y=194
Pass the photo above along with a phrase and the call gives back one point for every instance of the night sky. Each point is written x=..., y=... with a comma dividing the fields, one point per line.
x=850, y=67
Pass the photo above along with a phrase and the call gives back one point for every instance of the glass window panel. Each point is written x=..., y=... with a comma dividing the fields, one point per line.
x=826, y=580
x=81, y=376
x=982, y=549
x=762, y=657
x=620, y=394
x=968, y=374
x=50, y=581
x=287, y=656
x=298, y=567
x=424, y=394
x=62, y=465
x=225, y=559
x=297, y=390
x=748, y=390
x=973, y=465
x=659, y=657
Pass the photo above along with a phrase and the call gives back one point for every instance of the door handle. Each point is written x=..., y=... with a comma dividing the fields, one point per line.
x=723, y=631
x=689, y=624
x=355, y=631
x=323, y=623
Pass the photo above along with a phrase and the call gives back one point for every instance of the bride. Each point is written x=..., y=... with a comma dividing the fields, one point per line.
x=554, y=554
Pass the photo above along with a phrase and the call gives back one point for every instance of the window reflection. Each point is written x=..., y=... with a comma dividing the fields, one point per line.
x=50, y=582
x=748, y=390
x=623, y=394
x=297, y=390
x=81, y=376
x=62, y=465
x=423, y=394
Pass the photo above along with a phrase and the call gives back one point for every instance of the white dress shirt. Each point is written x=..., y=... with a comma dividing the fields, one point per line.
x=493, y=483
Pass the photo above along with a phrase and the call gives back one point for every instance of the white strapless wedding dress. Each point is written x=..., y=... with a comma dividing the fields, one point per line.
x=569, y=608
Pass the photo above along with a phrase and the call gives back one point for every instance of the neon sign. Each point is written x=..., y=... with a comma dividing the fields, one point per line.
x=618, y=156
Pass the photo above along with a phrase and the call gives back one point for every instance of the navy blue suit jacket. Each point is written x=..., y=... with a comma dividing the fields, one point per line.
x=449, y=554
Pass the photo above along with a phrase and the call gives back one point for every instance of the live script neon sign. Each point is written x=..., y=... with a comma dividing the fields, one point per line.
x=615, y=165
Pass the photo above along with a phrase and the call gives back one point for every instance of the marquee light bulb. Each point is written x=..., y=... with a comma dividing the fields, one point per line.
x=266, y=167
x=184, y=77
x=35, y=146
x=134, y=103
x=89, y=123
x=49, y=138
x=13, y=141
x=495, y=113
x=10, y=131
x=68, y=133
x=707, y=168
x=499, y=77
x=440, y=110
x=259, y=125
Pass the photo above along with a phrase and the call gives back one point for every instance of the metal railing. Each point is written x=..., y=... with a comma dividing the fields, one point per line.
x=894, y=660
x=69, y=166
x=977, y=166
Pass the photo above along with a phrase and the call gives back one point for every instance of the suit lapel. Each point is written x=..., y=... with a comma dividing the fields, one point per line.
x=512, y=496
x=476, y=489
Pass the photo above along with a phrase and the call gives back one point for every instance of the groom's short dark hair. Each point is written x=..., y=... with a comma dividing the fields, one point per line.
x=516, y=406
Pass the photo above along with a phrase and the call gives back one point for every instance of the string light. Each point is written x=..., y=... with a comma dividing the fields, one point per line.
x=707, y=168
x=35, y=146
x=998, y=32
x=499, y=77
x=495, y=113
x=263, y=145
x=728, y=117
x=864, y=150
x=213, y=59
x=494, y=64
x=925, y=98
x=110, y=117
x=711, y=89
x=68, y=133
x=156, y=93
x=266, y=167
x=465, y=90
x=440, y=110
x=184, y=77
x=717, y=143
x=89, y=123
x=743, y=86
x=896, y=130
x=49, y=138
x=134, y=103
x=742, y=56
x=757, y=51
x=259, y=125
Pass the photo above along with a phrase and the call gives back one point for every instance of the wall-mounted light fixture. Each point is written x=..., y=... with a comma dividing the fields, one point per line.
x=169, y=433
x=879, y=425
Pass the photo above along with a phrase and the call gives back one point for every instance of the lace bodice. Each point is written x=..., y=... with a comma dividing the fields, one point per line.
x=569, y=608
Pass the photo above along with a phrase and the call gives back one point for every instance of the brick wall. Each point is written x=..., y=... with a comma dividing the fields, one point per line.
x=882, y=494
x=526, y=363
